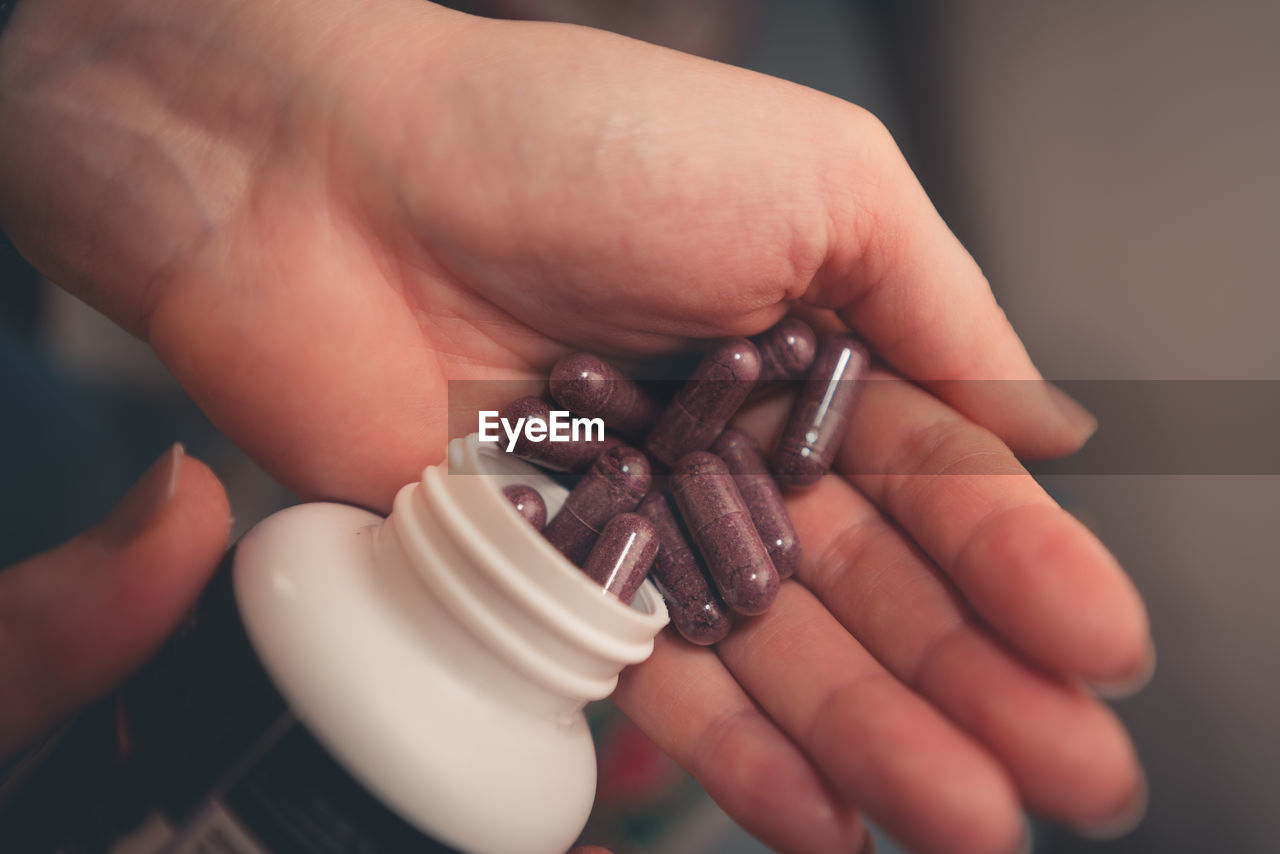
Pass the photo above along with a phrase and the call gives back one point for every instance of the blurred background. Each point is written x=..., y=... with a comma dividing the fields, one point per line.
x=1114, y=169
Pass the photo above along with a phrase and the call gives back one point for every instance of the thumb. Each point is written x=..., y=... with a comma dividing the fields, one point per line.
x=77, y=620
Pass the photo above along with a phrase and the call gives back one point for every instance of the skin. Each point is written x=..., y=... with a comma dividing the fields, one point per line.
x=319, y=212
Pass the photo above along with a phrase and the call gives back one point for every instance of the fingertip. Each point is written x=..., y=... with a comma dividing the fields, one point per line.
x=1084, y=770
x=177, y=551
x=1122, y=689
x=1069, y=755
x=794, y=809
x=81, y=617
x=1123, y=817
x=1055, y=593
x=199, y=487
x=934, y=791
x=1035, y=418
x=995, y=822
x=1079, y=422
x=1113, y=644
x=142, y=587
x=1005, y=829
x=177, y=492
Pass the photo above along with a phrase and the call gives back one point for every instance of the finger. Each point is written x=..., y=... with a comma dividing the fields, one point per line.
x=1033, y=572
x=685, y=700
x=878, y=743
x=1067, y=753
x=898, y=276
x=76, y=620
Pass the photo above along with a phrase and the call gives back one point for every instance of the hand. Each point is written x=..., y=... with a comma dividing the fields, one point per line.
x=75, y=621
x=320, y=212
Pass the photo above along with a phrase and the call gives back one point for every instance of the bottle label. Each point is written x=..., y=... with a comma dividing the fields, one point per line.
x=213, y=831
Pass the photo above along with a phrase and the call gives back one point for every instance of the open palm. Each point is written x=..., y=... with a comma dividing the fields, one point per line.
x=320, y=213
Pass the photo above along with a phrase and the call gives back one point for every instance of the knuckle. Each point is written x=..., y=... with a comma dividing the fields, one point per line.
x=722, y=741
x=854, y=235
x=848, y=551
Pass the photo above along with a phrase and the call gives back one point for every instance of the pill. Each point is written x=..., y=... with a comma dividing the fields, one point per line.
x=560, y=456
x=721, y=527
x=622, y=556
x=763, y=498
x=588, y=385
x=706, y=402
x=692, y=602
x=786, y=350
x=528, y=503
x=820, y=416
x=614, y=484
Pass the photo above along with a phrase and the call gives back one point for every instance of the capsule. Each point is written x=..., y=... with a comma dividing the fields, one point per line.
x=559, y=456
x=621, y=558
x=786, y=350
x=588, y=385
x=820, y=415
x=614, y=484
x=706, y=402
x=721, y=526
x=528, y=504
x=763, y=498
x=694, y=606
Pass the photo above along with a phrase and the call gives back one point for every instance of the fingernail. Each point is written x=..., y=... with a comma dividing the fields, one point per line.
x=1128, y=687
x=145, y=500
x=1081, y=421
x=1124, y=821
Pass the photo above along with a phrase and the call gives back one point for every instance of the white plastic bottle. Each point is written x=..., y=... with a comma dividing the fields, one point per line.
x=440, y=657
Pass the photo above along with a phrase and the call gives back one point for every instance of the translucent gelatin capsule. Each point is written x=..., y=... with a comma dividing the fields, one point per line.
x=614, y=484
x=588, y=385
x=705, y=403
x=786, y=350
x=558, y=456
x=820, y=415
x=721, y=527
x=692, y=602
x=528, y=503
x=622, y=556
x=763, y=497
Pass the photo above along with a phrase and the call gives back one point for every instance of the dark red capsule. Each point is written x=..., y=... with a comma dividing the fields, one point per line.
x=820, y=415
x=786, y=350
x=588, y=385
x=764, y=501
x=528, y=503
x=614, y=484
x=692, y=602
x=706, y=402
x=721, y=527
x=558, y=456
x=622, y=556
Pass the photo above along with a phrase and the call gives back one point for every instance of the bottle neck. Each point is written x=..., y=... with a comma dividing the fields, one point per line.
x=503, y=594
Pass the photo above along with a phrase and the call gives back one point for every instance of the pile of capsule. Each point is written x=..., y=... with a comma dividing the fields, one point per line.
x=718, y=538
